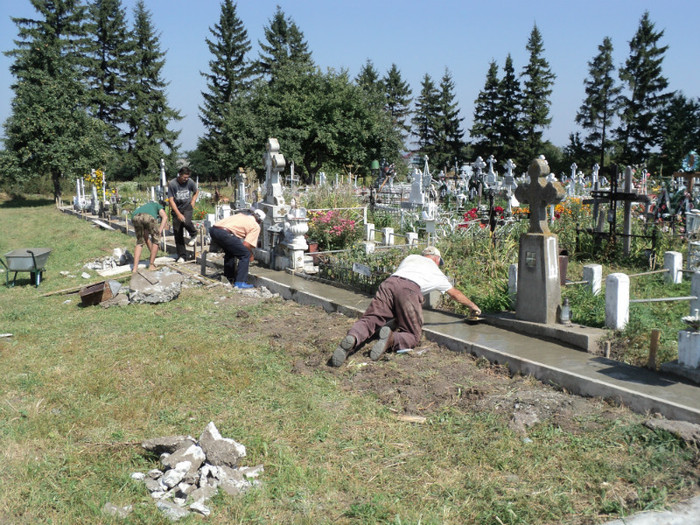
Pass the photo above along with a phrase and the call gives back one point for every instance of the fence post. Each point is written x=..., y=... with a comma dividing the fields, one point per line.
x=411, y=238
x=593, y=275
x=617, y=301
x=513, y=284
x=673, y=262
x=388, y=236
x=695, y=290
x=369, y=231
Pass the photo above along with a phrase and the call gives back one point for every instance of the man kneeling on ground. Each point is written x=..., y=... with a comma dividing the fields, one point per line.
x=400, y=297
x=238, y=236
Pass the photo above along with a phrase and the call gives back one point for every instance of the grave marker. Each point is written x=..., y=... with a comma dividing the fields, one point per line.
x=539, y=288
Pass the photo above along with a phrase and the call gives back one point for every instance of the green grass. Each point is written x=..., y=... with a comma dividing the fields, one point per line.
x=82, y=387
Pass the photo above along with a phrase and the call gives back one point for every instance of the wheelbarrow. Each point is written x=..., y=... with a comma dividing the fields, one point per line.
x=30, y=260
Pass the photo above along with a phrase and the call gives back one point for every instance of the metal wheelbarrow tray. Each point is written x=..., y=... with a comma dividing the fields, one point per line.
x=26, y=260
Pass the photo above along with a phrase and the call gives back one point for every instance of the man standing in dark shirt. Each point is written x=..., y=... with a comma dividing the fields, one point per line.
x=182, y=194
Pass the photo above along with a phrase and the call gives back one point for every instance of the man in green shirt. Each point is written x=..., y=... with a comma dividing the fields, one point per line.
x=147, y=231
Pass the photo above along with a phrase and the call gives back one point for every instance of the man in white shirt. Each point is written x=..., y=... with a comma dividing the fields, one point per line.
x=400, y=297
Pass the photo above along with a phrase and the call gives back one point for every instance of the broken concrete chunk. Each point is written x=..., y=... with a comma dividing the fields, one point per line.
x=235, y=488
x=203, y=494
x=168, y=444
x=138, y=476
x=251, y=472
x=155, y=473
x=192, y=454
x=112, y=510
x=171, y=510
x=154, y=485
x=200, y=508
x=174, y=476
x=167, y=287
x=685, y=430
x=220, y=450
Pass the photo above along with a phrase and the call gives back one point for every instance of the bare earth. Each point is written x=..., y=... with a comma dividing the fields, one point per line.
x=428, y=379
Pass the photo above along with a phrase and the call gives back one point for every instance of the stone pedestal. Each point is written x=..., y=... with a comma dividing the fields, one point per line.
x=593, y=275
x=539, y=289
x=617, y=301
x=689, y=349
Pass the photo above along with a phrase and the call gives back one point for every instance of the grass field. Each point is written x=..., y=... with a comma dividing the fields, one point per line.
x=81, y=388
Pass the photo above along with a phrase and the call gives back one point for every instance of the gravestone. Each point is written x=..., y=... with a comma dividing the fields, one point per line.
x=491, y=178
x=273, y=204
x=539, y=288
x=240, y=202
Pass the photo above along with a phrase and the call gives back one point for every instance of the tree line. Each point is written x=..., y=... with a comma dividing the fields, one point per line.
x=89, y=92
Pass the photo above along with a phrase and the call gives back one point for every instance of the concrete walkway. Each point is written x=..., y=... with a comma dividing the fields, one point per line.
x=575, y=370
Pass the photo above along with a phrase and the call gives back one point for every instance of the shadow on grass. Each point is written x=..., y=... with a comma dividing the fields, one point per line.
x=26, y=202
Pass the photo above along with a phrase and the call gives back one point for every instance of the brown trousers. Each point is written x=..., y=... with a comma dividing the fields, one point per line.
x=397, y=298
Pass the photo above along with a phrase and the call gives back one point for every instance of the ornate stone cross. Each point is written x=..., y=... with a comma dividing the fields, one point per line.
x=539, y=194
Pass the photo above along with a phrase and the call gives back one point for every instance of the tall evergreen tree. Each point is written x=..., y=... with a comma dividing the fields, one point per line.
x=537, y=87
x=425, y=116
x=109, y=53
x=229, y=76
x=600, y=105
x=368, y=77
x=368, y=80
x=486, y=115
x=285, y=46
x=49, y=131
x=679, y=129
x=449, y=124
x=398, y=100
x=149, y=114
x=509, y=104
x=645, y=93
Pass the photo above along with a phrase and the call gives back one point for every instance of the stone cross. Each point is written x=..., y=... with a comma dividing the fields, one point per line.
x=240, y=202
x=479, y=164
x=274, y=164
x=539, y=193
x=491, y=176
x=491, y=161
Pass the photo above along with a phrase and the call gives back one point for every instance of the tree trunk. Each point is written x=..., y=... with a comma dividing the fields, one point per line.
x=56, y=178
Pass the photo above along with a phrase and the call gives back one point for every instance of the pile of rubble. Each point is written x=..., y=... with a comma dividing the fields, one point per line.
x=119, y=257
x=195, y=470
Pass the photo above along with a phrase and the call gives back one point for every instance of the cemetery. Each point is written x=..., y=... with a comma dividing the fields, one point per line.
x=351, y=235
x=526, y=247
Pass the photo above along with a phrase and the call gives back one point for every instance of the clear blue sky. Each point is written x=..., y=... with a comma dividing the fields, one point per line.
x=419, y=37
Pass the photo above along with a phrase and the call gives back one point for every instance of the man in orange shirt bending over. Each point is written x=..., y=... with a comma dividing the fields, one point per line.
x=238, y=236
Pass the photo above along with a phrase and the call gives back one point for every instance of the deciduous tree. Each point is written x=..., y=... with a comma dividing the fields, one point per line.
x=49, y=131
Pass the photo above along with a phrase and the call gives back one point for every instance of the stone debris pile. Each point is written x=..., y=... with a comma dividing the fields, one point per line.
x=195, y=470
x=119, y=257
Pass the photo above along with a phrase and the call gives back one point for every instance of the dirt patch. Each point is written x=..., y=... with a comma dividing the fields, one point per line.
x=429, y=379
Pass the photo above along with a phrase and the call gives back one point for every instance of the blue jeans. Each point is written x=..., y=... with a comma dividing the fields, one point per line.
x=236, y=255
